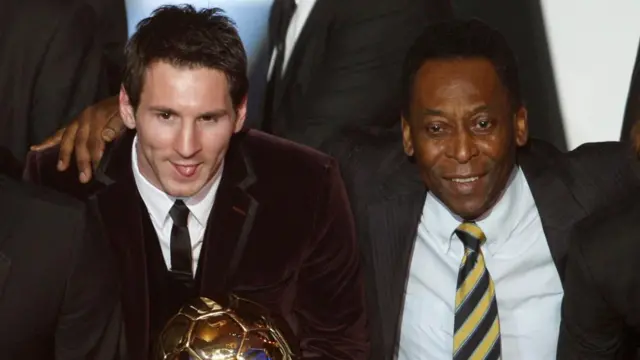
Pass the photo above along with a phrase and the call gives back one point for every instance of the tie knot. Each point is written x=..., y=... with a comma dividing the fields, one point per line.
x=179, y=213
x=471, y=235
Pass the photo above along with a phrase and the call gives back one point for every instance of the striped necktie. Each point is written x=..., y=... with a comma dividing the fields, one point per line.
x=476, y=326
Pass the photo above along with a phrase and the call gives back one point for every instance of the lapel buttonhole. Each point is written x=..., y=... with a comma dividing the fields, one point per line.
x=239, y=211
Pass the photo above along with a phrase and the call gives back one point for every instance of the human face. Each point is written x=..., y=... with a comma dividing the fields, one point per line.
x=184, y=123
x=463, y=133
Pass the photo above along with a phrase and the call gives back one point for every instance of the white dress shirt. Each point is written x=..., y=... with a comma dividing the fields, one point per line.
x=528, y=287
x=299, y=18
x=158, y=204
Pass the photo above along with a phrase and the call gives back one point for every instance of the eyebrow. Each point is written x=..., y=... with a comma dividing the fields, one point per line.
x=434, y=112
x=214, y=113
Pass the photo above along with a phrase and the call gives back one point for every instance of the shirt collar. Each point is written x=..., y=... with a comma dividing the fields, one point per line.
x=159, y=203
x=497, y=224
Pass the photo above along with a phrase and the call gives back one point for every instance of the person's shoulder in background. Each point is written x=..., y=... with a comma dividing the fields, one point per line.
x=367, y=157
x=603, y=171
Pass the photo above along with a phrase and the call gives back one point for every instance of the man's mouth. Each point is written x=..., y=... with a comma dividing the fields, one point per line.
x=186, y=170
x=464, y=184
x=465, y=179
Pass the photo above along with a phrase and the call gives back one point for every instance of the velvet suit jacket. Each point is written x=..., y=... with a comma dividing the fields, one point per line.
x=388, y=196
x=344, y=69
x=58, y=283
x=280, y=233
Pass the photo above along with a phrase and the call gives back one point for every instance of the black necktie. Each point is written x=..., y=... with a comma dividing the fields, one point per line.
x=180, y=240
x=283, y=11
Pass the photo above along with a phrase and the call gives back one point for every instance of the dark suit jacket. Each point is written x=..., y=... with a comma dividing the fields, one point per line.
x=345, y=67
x=113, y=35
x=601, y=309
x=280, y=233
x=58, y=283
x=388, y=196
x=632, y=112
x=51, y=65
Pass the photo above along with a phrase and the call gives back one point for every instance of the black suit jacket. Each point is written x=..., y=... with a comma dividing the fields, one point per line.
x=280, y=233
x=601, y=307
x=388, y=196
x=345, y=66
x=632, y=112
x=58, y=287
x=113, y=35
x=51, y=68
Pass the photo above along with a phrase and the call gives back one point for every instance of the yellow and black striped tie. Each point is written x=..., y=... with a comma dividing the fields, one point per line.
x=476, y=326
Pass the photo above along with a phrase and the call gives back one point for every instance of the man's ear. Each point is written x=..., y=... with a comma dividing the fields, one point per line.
x=407, y=143
x=241, y=115
x=126, y=110
x=521, y=126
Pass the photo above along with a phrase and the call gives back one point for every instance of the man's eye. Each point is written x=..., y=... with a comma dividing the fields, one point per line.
x=434, y=129
x=484, y=124
x=164, y=115
x=208, y=118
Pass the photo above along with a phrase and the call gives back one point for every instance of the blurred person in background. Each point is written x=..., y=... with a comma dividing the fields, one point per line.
x=51, y=68
x=59, y=293
x=601, y=312
x=601, y=306
x=336, y=64
x=112, y=33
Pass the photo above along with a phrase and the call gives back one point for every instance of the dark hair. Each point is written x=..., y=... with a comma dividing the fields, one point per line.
x=460, y=39
x=183, y=36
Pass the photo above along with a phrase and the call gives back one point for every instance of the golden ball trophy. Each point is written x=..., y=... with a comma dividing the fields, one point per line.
x=242, y=330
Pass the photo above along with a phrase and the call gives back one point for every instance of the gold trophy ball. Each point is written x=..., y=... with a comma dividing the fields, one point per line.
x=206, y=330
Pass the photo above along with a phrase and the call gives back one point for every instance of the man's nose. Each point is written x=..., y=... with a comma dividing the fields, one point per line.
x=188, y=142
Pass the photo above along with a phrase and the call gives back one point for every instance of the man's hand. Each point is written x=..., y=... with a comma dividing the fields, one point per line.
x=86, y=136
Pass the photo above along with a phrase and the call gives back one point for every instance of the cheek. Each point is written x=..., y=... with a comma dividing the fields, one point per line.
x=156, y=135
x=156, y=147
x=215, y=142
x=429, y=152
x=429, y=157
x=497, y=150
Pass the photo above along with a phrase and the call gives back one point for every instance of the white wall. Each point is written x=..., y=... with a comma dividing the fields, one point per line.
x=593, y=45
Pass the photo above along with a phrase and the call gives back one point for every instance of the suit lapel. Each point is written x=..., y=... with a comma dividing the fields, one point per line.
x=121, y=212
x=313, y=27
x=229, y=224
x=392, y=226
x=558, y=208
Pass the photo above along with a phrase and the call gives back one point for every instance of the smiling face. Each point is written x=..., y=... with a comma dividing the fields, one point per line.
x=463, y=132
x=184, y=123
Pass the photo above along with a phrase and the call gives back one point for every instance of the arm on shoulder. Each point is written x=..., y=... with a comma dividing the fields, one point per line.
x=40, y=168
